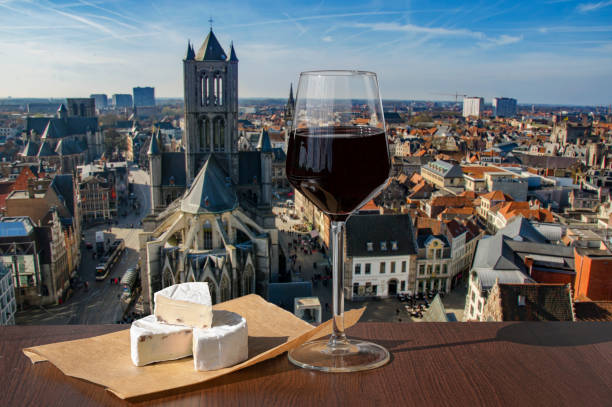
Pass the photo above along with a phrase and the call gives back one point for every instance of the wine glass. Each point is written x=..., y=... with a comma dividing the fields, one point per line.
x=338, y=158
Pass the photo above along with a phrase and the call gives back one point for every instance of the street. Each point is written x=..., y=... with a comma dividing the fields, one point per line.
x=99, y=304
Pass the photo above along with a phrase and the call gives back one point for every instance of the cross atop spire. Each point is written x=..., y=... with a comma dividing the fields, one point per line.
x=210, y=20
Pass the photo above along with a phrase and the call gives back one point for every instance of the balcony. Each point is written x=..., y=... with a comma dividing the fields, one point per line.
x=527, y=364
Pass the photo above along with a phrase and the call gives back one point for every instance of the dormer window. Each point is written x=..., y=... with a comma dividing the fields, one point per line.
x=383, y=245
x=394, y=245
x=370, y=246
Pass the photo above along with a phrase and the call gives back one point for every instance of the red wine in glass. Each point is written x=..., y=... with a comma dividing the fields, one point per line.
x=340, y=168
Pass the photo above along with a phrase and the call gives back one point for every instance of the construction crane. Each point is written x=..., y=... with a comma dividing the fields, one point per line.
x=456, y=95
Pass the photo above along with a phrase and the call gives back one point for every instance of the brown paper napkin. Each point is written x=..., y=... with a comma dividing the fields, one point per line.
x=105, y=359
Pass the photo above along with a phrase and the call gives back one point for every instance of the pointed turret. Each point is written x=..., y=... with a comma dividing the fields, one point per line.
x=233, y=57
x=211, y=50
x=154, y=146
x=264, y=145
x=190, y=52
x=62, y=112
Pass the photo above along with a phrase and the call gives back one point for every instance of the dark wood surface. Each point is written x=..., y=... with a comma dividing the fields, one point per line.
x=454, y=364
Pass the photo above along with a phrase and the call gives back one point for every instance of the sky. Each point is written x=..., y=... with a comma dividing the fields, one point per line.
x=551, y=51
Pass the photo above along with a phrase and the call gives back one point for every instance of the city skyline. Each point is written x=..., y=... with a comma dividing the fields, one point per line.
x=557, y=52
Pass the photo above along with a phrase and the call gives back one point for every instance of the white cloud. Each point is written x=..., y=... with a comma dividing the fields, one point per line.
x=587, y=7
x=500, y=41
x=327, y=38
x=412, y=28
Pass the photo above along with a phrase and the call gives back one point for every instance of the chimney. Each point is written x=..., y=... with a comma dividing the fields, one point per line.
x=529, y=264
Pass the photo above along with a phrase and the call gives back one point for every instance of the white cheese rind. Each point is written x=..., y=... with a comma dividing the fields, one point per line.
x=152, y=341
x=187, y=304
x=224, y=345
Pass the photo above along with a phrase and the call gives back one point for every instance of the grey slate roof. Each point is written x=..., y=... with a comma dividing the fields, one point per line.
x=211, y=50
x=279, y=155
x=210, y=192
x=447, y=170
x=46, y=150
x=68, y=147
x=492, y=253
x=519, y=228
x=71, y=126
x=173, y=169
x=30, y=149
x=543, y=302
x=487, y=278
x=361, y=229
x=249, y=170
x=63, y=186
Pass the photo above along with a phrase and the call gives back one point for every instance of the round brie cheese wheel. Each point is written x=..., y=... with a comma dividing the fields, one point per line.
x=225, y=344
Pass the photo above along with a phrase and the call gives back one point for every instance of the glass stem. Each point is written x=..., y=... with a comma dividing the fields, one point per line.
x=338, y=338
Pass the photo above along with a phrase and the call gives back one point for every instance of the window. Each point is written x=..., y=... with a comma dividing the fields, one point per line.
x=438, y=253
x=421, y=269
x=374, y=289
x=355, y=288
x=404, y=266
x=437, y=269
x=382, y=267
x=383, y=245
x=368, y=268
x=429, y=269
x=393, y=267
x=444, y=268
x=403, y=286
x=394, y=245
x=357, y=268
x=369, y=246
x=521, y=300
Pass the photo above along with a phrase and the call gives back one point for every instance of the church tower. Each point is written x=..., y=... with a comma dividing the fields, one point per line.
x=211, y=107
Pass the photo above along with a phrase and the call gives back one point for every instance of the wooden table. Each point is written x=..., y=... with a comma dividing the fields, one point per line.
x=437, y=364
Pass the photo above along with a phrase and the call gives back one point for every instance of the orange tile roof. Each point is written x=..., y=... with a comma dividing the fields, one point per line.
x=370, y=206
x=496, y=196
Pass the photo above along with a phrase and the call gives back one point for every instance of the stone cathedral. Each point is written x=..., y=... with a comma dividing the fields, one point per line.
x=211, y=216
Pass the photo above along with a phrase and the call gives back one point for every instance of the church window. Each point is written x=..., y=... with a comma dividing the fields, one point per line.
x=207, y=236
x=217, y=134
x=205, y=90
x=220, y=89
x=222, y=134
x=206, y=145
x=225, y=288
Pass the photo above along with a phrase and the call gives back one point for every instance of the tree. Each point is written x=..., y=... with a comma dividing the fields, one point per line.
x=114, y=140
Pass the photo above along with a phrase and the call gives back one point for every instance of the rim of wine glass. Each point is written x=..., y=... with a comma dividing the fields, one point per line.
x=338, y=72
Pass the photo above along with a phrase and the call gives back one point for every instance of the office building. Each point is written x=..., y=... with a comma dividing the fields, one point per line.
x=100, y=99
x=144, y=96
x=504, y=107
x=122, y=100
x=473, y=106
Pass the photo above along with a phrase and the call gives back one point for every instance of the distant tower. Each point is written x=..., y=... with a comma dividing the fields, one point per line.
x=289, y=108
x=155, y=169
x=265, y=147
x=211, y=107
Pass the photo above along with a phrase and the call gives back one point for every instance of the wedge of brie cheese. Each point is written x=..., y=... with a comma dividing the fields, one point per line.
x=185, y=304
x=152, y=341
x=224, y=345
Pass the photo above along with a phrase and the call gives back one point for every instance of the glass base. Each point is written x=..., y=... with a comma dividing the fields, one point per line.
x=355, y=356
